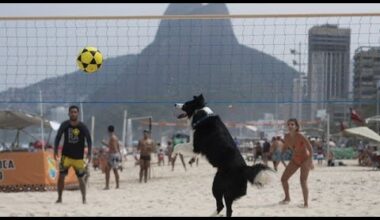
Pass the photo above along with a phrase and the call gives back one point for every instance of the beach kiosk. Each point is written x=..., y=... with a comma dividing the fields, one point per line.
x=25, y=170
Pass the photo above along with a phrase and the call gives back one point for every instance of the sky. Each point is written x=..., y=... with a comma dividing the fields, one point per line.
x=114, y=9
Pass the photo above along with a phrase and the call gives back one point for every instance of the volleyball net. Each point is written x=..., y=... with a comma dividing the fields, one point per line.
x=247, y=66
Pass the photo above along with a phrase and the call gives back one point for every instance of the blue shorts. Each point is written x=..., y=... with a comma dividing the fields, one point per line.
x=277, y=156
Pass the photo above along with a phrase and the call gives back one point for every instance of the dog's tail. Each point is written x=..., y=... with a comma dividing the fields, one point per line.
x=256, y=174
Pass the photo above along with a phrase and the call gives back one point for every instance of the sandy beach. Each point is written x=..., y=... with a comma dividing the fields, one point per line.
x=334, y=191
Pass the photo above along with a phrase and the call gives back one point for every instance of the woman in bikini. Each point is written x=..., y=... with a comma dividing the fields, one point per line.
x=301, y=158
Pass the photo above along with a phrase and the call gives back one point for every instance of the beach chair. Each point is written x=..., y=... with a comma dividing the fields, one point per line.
x=375, y=160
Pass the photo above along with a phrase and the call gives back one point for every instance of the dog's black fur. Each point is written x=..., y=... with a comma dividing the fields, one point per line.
x=212, y=139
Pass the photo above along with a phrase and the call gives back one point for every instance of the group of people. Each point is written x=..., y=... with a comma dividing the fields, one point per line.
x=76, y=133
x=272, y=151
x=172, y=158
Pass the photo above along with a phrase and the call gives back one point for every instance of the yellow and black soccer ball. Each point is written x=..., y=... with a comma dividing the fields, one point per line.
x=89, y=60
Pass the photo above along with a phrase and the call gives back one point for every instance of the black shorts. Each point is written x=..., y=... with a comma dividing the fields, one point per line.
x=145, y=157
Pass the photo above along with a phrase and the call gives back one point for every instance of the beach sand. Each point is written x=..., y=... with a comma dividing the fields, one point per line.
x=334, y=191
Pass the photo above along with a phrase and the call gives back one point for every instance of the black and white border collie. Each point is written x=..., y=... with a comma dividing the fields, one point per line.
x=212, y=139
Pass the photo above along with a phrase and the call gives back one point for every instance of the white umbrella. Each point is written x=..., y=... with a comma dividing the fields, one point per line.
x=332, y=144
x=54, y=125
x=375, y=118
x=252, y=128
x=363, y=132
x=18, y=120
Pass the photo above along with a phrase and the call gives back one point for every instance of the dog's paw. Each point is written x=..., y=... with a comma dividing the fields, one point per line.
x=215, y=214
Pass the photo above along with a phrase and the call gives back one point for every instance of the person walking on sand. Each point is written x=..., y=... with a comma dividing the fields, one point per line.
x=277, y=152
x=179, y=139
x=302, y=157
x=114, y=156
x=146, y=146
x=266, y=151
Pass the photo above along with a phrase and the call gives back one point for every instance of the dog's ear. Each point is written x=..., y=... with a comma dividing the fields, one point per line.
x=201, y=99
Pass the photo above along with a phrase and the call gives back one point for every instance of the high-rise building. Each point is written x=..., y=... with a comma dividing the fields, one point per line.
x=328, y=67
x=366, y=76
x=299, y=93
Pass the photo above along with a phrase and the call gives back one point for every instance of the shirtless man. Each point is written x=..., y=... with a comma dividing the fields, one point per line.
x=114, y=157
x=276, y=152
x=146, y=147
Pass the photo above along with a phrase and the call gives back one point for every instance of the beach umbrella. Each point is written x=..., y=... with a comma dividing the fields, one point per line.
x=19, y=120
x=251, y=127
x=364, y=132
x=375, y=118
